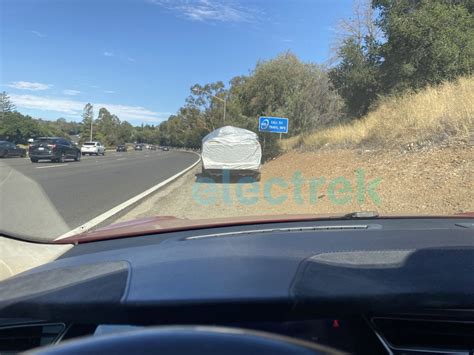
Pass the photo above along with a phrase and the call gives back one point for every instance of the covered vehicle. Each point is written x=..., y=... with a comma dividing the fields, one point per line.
x=231, y=149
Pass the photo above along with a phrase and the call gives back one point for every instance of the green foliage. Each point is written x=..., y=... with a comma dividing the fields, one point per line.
x=108, y=127
x=287, y=87
x=428, y=41
x=18, y=128
x=423, y=42
x=6, y=105
x=125, y=133
x=87, y=123
x=356, y=77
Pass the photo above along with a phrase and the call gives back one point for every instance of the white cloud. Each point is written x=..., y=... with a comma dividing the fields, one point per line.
x=38, y=34
x=108, y=54
x=47, y=104
x=74, y=107
x=109, y=91
x=26, y=85
x=70, y=92
x=130, y=59
x=209, y=10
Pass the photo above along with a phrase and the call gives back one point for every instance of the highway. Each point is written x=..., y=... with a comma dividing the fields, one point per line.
x=46, y=200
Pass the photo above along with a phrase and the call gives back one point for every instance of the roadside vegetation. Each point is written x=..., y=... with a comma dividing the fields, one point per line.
x=401, y=71
x=431, y=116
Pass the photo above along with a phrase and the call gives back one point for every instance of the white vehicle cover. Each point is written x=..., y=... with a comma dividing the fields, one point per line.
x=231, y=148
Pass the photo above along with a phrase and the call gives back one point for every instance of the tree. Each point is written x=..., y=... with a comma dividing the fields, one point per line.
x=125, y=132
x=202, y=99
x=287, y=87
x=356, y=75
x=427, y=41
x=18, y=128
x=108, y=127
x=87, y=123
x=6, y=105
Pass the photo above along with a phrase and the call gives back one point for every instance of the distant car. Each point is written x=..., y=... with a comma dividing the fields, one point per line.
x=121, y=148
x=138, y=147
x=165, y=149
x=56, y=149
x=152, y=147
x=90, y=148
x=8, y=149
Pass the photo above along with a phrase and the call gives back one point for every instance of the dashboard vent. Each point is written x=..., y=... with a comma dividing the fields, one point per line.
x=438, y=336
x=16, y=338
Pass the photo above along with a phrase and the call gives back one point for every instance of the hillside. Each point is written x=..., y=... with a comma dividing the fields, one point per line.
x=429, y=117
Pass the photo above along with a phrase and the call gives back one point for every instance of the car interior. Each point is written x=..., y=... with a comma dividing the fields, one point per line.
x=355, y=285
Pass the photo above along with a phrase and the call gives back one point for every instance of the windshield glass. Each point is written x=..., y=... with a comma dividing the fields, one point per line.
x=232, y=109
x=45, y=140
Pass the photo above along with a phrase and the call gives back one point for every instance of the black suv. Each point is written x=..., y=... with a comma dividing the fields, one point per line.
x=8, y=149
x=55, y=149
x=121, y=148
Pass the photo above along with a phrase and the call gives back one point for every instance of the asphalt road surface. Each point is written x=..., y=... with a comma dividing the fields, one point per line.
x=46, y=200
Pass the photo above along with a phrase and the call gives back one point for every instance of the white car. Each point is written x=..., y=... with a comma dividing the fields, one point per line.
x=90, y=148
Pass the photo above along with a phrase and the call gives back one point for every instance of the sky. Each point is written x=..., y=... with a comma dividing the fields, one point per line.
x=139, y=58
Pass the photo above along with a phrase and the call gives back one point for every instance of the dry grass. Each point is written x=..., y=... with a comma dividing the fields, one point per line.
x=434, y=114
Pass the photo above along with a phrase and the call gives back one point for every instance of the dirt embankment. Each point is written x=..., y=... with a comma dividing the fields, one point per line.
x=438, y=180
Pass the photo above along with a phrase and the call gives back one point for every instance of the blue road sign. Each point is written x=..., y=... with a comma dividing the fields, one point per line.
x=273, y=124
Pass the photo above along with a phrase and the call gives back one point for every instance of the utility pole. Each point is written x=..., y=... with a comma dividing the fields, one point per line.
x=224, y=111
x=92, y=120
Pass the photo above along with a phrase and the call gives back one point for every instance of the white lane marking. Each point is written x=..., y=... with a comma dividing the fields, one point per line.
x=106, y=215
x=120, y=158
x=7, y=177
x=51, y=166
x=146, y=156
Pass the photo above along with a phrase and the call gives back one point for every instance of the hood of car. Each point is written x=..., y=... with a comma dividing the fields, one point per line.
x=162, y=224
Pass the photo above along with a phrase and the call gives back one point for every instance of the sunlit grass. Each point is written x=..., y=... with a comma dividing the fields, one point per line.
x=435, y=113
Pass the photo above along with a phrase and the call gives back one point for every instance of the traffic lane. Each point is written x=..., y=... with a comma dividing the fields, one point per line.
x=66, y=170
x=75, y=172
x=80, y=192
x=26, y=166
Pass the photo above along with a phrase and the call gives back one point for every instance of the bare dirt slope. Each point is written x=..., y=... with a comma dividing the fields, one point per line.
x=438, y=180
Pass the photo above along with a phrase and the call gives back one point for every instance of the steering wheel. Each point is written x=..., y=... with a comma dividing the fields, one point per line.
x=188, y=340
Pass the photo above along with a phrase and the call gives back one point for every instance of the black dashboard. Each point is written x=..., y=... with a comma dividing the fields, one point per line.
x=361, y=286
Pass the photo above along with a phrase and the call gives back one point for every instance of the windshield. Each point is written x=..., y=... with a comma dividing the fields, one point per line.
x=232, y=109
x=45, y=140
